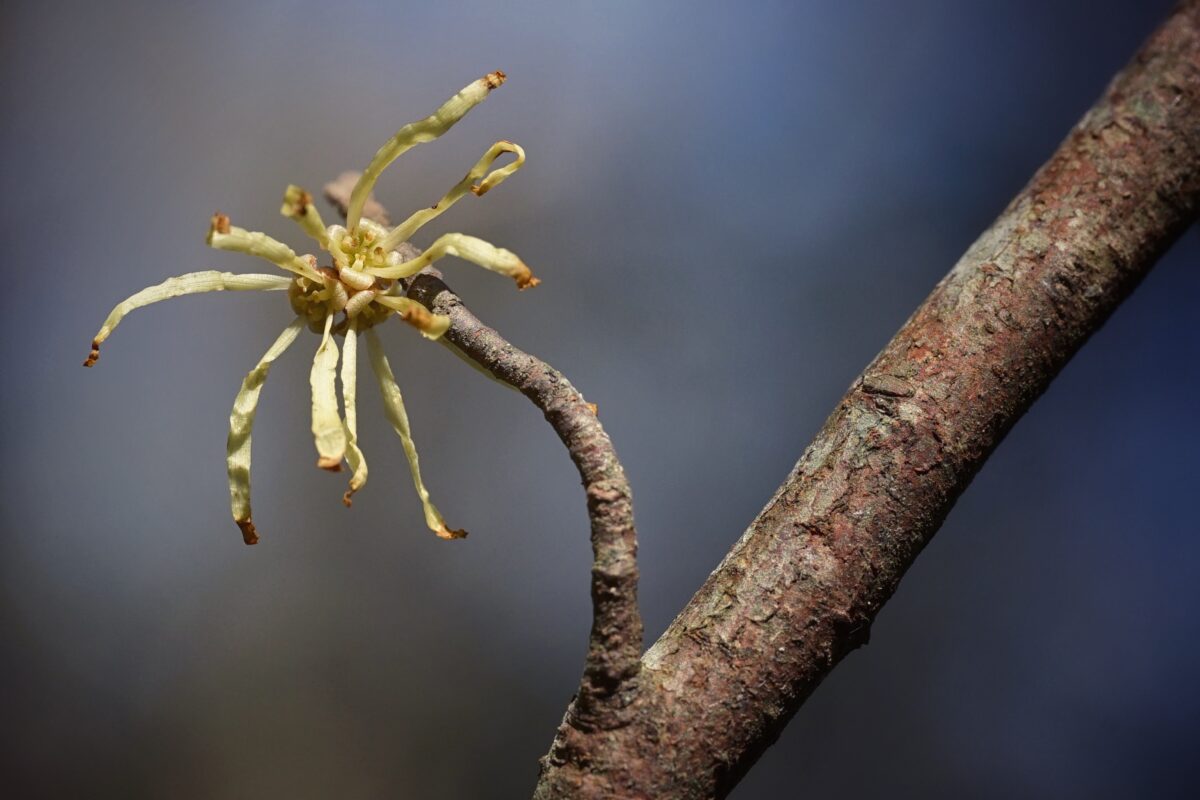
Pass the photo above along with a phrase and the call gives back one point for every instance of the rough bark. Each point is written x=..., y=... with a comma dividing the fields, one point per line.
x=802, y=586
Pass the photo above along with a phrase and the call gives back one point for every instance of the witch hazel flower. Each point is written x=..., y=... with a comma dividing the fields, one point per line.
x=358, y=286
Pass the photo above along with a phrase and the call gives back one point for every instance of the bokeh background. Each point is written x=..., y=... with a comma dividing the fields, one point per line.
x=733, y=207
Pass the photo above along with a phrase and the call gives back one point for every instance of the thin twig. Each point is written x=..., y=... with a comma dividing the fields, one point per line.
x=608, y=687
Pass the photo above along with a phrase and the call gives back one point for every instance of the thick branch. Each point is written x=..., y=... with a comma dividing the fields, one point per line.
x=802, y=586
x=608, y=686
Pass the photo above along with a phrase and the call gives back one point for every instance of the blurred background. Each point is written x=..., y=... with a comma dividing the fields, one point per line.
x=732, y=207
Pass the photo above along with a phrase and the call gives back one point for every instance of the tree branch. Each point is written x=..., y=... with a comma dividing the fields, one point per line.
x=802, y=586
x=609, y=683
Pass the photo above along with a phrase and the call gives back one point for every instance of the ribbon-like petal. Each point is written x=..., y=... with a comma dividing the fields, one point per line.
x=241, y=425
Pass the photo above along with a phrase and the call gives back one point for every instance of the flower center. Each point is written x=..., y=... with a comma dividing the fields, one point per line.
x=344, y=291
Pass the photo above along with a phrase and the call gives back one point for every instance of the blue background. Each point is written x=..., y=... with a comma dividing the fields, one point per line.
x=733, y=207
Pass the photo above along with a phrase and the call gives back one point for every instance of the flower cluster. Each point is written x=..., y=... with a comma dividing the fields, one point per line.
x=359, y=287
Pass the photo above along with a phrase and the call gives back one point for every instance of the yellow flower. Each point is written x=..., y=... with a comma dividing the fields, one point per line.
x=357, y=289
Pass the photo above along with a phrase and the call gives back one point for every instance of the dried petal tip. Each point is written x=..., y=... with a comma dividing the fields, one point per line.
x=494, y=79
x=94, y=355
x=449, y=533
x=346, y=498
x=295, y=202
x=329, y=463
x=249, y=535
x=218, y=224
x=430, y=325
x=524, y=278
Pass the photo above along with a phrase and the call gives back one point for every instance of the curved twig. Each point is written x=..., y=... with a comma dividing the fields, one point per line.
x=608, y=687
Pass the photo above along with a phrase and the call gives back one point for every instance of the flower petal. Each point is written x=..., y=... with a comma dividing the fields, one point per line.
x=470, y=248
x=354, y=456
x=404, y=231
x=223, y=236
x=414, y=133
x=298, y=205
x=190, y=283
x=241, y=424
x=431, y=325
x=393, y=405
x=328, y=433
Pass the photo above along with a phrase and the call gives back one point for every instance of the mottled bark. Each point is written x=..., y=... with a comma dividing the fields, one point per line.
x=610, y=670
x=802, y=586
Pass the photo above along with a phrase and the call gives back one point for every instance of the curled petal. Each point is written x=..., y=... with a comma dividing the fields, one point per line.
x=241, y=424
x=414, y=133
x=498, y=176
x=404, y=231
x=328, y=433
x=358, y=301
x=431, y=325
x=469, y=248
x=190, y=283
x=298, y=205
x=338, y=296
x=393, y=405
x=355, y=278
x=354, y=455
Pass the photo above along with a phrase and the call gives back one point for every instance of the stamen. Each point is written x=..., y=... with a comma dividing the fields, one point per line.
x=414, y=133
x=369, y=229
